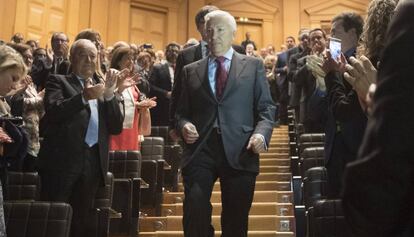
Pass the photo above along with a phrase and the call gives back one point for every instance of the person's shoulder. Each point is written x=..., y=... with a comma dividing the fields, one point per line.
x=249, y=59
x=190, y=50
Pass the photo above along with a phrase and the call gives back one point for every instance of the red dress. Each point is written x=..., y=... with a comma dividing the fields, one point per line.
x=128, y=138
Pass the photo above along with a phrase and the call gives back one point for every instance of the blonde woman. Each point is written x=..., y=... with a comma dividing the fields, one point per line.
x=12, y=69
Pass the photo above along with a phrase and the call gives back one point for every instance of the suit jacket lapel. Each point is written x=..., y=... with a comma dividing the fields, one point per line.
x=74, y=81
x=202, y=74
x=236, y=67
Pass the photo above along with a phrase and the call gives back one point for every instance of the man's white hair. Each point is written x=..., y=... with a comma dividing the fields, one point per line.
x=219, y=13
x=80, y=42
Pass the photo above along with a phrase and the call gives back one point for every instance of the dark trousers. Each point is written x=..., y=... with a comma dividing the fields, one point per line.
x=237, y=189
x=336, y=166
x=77, y=189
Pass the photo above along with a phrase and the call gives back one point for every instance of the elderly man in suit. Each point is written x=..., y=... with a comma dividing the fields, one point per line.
x=81, y=112
x=225, y=116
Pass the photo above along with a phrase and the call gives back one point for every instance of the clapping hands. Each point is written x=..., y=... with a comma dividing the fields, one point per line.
x=360, y=73
x=147, y=103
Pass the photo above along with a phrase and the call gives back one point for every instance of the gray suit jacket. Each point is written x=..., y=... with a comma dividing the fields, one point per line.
x=246, y=107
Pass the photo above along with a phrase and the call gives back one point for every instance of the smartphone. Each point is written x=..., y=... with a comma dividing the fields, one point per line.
x=335, y=48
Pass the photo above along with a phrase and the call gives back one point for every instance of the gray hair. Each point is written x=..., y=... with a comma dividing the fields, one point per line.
x=80, y=42
x=219, y=13
x=9, y=58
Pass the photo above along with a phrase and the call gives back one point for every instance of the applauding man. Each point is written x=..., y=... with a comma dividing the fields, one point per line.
x=81, y=111
x=225, y=115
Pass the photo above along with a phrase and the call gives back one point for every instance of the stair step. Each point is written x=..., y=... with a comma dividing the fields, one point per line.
x=218, y=234
x=274, y=169
x=278, y=149
x=258, y=208
x=256, y=222
x=260, y=186
x=273, y=155
x=274, y=177
x=275, y=161
x=259, y=196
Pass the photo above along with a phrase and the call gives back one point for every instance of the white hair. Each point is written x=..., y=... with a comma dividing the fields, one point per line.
x=219, y=13
x=81, y=42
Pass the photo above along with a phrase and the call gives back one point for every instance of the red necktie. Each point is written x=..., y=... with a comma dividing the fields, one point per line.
x=221, y=76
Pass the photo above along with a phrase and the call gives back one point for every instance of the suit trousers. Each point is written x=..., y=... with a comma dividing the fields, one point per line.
x=237, y=189
x=77, y=189
x=336, y=166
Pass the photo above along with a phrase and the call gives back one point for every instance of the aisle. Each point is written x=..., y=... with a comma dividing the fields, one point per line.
x=271, y=214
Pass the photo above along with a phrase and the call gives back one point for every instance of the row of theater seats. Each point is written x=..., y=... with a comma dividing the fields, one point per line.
x=316, y=215
x=134, y=186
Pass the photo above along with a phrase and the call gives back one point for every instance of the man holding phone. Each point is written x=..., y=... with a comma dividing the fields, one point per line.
x=335, y=48
x=346, y=121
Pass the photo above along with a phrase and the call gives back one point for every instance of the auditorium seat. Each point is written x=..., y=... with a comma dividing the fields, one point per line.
x=172, y=154
x=311, y=140
x=315, y=185
x=37, y=219
x=152, y=150
x=103, y=206
x=126, y=168
x=326, y=219
x=22, y=186
x=311, y=157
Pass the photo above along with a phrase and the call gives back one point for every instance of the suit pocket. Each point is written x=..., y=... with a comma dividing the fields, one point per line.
x=247, y=129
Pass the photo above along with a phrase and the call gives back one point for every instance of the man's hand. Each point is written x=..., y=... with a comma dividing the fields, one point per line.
x=168, y=95
x=256, y=143
x=360, y=73
x=173, y=135
x=189, y=132
x=91, y=92
x=110, y=82
x=331, y=65
x=65, y=50
x=49, y=55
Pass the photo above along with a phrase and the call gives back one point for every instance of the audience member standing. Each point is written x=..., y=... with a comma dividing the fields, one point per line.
x=247, y=41
x=12, y=70
x=82, y=111
x=309, y=76
x=293, y=55
x=282, y=83
x=129, y=138
x=225, y=123
x=378, y=190
x=346, y=121
x=187, y=56
x=161, y=81
x=29, y=105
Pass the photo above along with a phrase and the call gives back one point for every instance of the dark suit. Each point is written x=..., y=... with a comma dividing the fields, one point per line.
x=246, y=107
x=313, y=108
x=345, y=129
x=283, y=86
x=71, y=170
x=185, y=57
x=379, y=188
x=161, y=84
x=294, y=90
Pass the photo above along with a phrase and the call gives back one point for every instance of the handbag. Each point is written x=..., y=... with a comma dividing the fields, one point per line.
x=144, y=122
